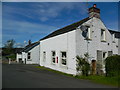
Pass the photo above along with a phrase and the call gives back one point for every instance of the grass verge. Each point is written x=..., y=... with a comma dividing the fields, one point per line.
x=112, y=81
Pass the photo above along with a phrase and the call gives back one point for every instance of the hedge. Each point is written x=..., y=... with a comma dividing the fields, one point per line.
x=112, y=65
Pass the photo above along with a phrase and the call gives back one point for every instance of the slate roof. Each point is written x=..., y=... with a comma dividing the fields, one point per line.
x=72, y=27
x=66, y=29
x=117, y=33
x=29, y=47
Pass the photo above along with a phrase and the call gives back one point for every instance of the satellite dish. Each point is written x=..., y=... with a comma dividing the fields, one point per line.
x=83, y=28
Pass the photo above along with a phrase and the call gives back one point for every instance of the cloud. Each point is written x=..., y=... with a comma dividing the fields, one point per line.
x=26, y=27
x=41, y=11
x=21, y=30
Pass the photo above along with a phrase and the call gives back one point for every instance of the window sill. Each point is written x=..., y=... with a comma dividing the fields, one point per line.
x=64, y=66
x=53, y=63
x=103, y=40
x=88, y=39
x=29, y=60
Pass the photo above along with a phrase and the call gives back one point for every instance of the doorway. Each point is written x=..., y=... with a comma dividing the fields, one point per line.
x=93, y=67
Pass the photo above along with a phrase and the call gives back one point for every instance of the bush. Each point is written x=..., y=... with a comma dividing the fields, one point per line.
x=112, y=65
x=82, y=65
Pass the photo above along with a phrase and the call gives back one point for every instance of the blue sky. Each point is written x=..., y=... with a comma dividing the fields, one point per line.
x=22, y=21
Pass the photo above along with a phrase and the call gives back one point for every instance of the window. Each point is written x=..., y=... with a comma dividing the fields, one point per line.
x=44, y=56
x=110, y=53
x=104, y=55
x=113, y=37
x=29, y=55
x=86, y=32
x=88, y=35
x=63, y=58
x=103, y=36
x=53, y=56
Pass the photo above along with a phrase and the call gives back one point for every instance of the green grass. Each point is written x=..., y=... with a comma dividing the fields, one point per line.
x=48, y=69
x=112, y=81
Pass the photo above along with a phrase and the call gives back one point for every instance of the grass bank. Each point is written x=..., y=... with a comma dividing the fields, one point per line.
x=112, y=81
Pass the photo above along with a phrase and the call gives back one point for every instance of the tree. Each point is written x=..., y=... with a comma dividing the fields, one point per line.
x=8, y=47
x=9, y=43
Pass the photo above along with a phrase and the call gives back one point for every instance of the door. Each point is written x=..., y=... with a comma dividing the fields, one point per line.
x=93, y=67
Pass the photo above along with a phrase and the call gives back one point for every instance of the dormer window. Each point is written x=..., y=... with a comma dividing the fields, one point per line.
x=103, y=35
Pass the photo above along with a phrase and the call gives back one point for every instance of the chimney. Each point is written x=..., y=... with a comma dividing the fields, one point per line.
x=29, y=42
x=94, y=11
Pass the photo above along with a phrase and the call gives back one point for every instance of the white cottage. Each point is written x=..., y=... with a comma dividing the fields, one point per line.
x=59, y=49
x=30, y=54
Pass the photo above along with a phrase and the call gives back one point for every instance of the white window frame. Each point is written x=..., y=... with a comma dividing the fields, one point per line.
x=88, y=36
x=103, y=35
x=44, y=56
x=64, y=58
x=53, y=57
x=113, y=37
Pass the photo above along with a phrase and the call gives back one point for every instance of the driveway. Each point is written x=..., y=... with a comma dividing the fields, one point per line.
x=27, y=76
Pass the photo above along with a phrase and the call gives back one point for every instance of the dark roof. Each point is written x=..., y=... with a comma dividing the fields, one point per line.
x=117, y=33
x=66, y=29
x=29, y=47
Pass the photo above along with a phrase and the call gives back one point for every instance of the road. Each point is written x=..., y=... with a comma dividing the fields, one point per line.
x=27, y=76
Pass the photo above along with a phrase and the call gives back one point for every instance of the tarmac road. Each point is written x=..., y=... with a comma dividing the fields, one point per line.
x=27, y=76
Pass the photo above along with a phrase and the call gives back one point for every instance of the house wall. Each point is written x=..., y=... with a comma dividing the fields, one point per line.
x=24, y=57
x=75, y=44
x=18, y=56
x=63, y=42
x=95, y=43
x=34, y=56
x=119, y=46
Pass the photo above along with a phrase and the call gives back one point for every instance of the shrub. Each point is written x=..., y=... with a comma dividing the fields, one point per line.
x=112, y=65
x=82, y=65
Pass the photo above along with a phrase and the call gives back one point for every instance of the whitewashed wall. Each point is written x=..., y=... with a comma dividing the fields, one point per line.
x=75, y=44
x=63, y=42
x=34, y=56
x=18, y=55
x=119, y=46
x=95, y=44
x=24, y=56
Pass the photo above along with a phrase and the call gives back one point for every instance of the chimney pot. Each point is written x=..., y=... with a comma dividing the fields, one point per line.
x=94, y=12
x=94, y=5
x=29, y=42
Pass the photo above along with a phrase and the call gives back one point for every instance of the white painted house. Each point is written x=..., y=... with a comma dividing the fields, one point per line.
x=59, y=49
x=30, y=54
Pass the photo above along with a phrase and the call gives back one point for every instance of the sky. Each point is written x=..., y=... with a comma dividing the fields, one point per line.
x=23, y=21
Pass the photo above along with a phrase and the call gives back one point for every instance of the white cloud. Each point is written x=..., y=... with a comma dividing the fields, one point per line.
x=26, y=27
x=42, y=11
x=20, y=31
